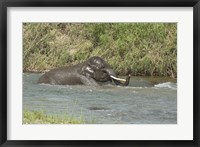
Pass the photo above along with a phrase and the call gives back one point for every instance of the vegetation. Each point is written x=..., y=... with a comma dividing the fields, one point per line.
x=138, y=48
x=39, y=117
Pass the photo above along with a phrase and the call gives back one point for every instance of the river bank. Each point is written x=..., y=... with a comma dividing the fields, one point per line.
x=40, y=117
x=141, y=49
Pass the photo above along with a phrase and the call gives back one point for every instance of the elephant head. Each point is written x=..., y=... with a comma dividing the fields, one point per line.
x=101, y=71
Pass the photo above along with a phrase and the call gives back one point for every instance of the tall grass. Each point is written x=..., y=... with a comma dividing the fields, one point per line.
x=39, y=117
x=136, y=48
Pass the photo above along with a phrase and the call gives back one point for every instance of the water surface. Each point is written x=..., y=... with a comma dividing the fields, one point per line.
x=144, y=101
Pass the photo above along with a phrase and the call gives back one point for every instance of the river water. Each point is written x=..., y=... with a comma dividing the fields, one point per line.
x=145, y=101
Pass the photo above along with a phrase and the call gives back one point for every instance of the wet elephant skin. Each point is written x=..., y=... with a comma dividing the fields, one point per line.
x=91, y=72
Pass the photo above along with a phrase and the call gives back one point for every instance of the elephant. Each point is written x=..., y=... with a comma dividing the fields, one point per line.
x=93, y=71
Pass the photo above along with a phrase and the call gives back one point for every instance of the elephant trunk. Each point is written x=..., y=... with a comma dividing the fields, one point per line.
x=110, y=72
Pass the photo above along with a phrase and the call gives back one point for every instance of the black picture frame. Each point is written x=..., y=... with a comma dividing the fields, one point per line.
x=4, y=4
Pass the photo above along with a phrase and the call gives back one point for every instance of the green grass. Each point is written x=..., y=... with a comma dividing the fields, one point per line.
x=148, y=49
x=39, y=117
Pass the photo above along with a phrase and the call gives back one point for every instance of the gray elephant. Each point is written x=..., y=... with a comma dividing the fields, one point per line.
x=94, y=71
